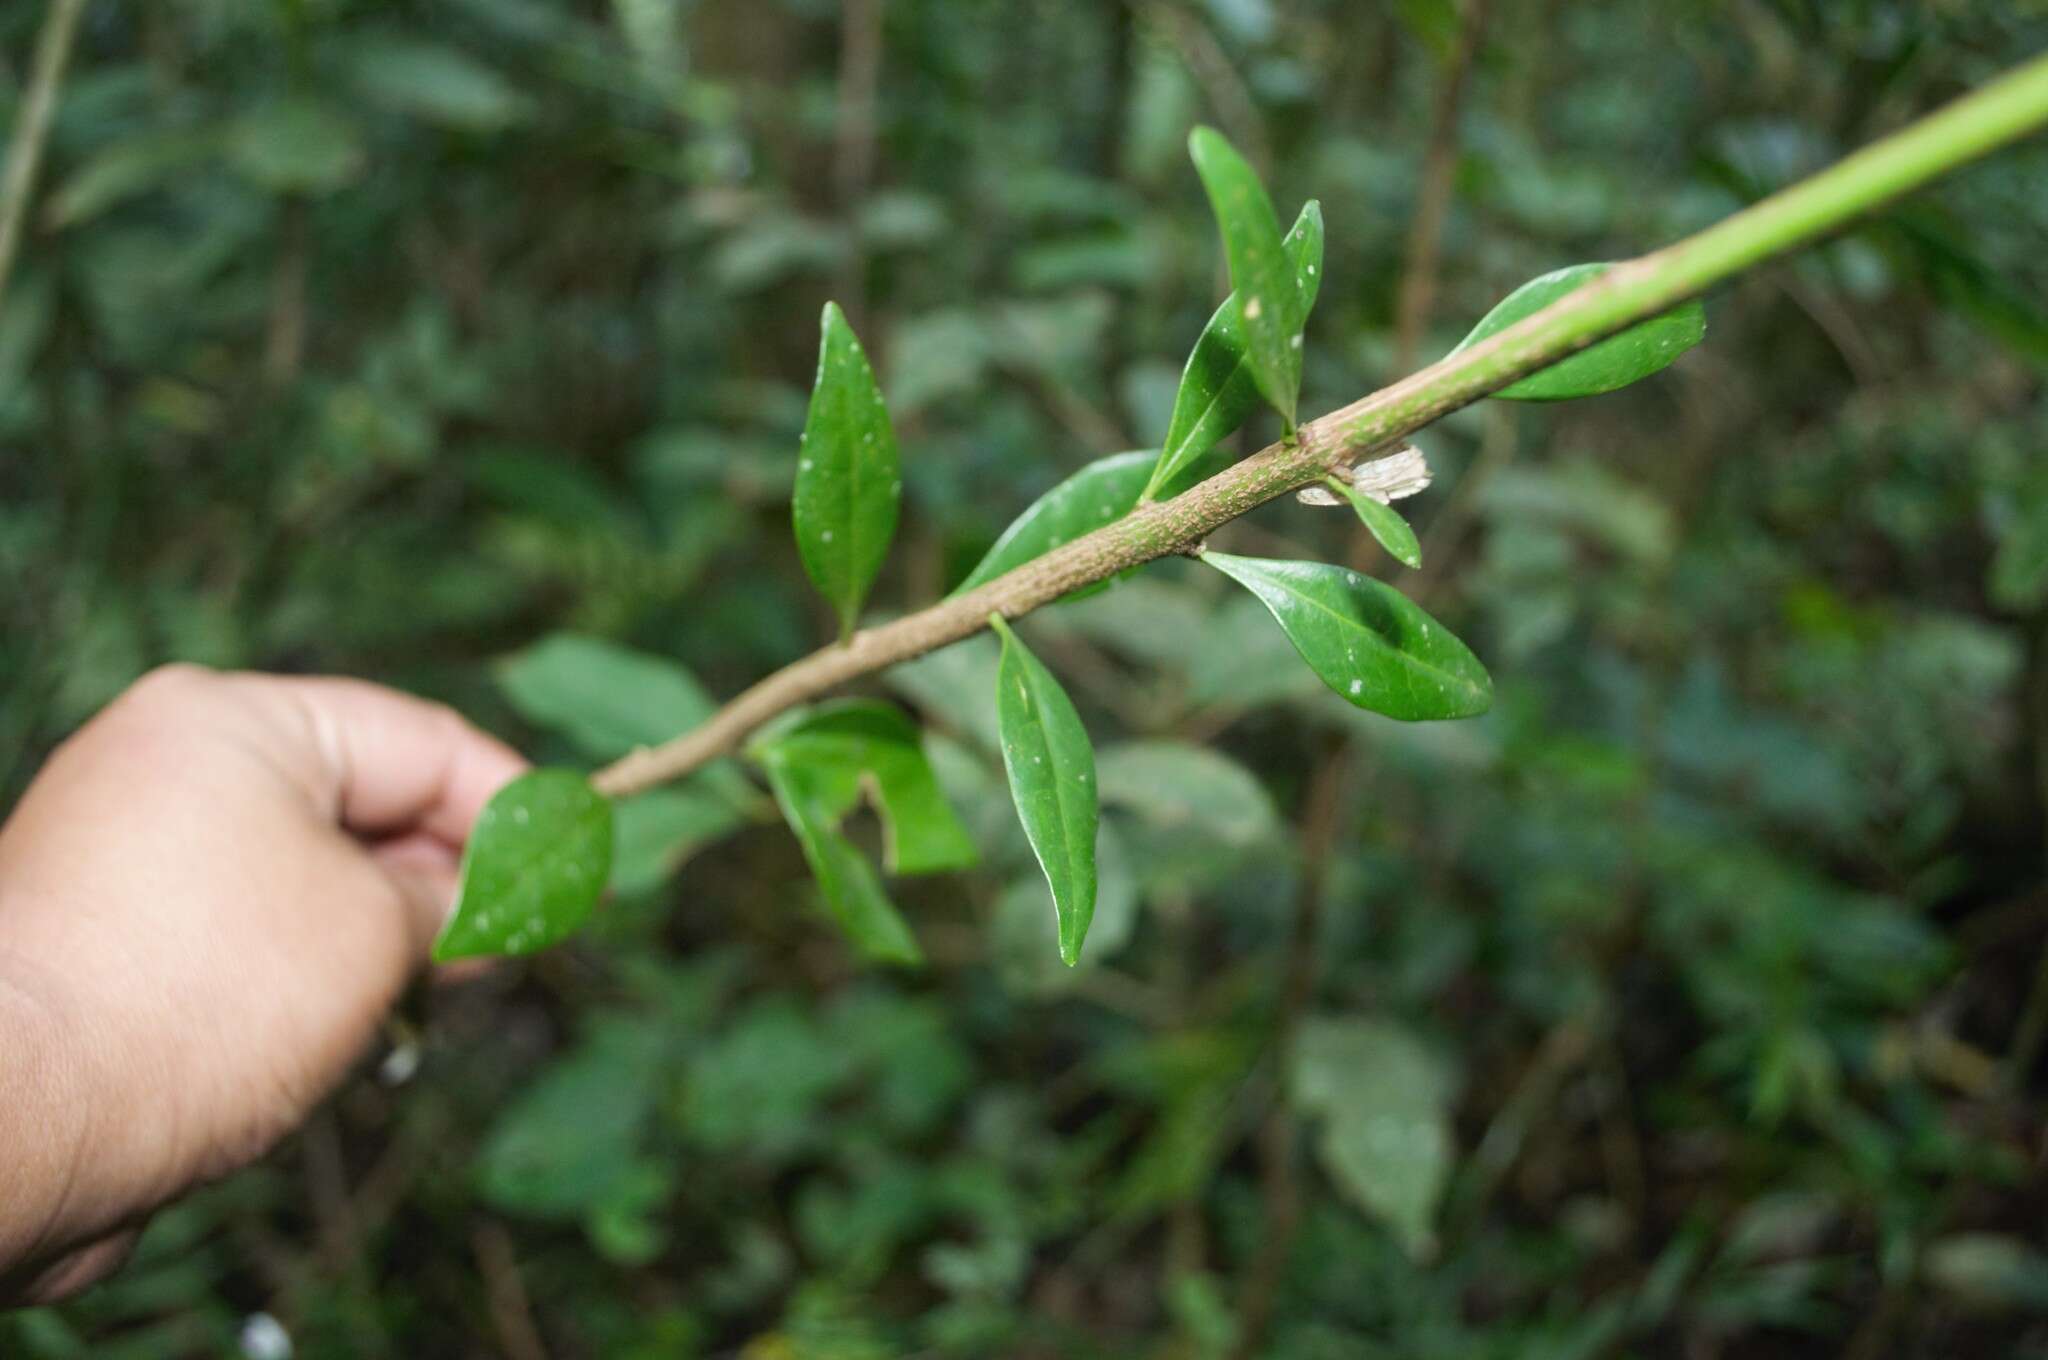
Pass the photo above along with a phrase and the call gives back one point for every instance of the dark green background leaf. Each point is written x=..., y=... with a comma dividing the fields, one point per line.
x=537, y=859
x=655, y=831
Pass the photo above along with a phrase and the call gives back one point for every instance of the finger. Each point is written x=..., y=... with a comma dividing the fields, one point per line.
x=425, y=872
x=60, y=1279
x=377, y=760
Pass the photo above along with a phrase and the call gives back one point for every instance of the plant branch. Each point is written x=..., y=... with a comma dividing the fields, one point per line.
x=1998, y=113
x=32, y=127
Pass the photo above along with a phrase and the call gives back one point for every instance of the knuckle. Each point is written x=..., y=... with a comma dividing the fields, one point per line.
x=172, y=679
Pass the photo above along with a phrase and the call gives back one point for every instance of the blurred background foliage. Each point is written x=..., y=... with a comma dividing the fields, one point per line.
x=1690, y=1003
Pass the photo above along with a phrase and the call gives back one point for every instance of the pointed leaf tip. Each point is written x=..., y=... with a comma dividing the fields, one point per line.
x=848, y=481
x=1217, y=391
x=1269, y=305
x=1051, y=768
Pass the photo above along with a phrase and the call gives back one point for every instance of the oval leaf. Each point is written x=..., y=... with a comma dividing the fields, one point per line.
x=1052, y=781
x=1615, y=362
x=1269, y=305
x=1367, y=641
x=537, y=859
x=1385, y=522
x=1216, y=390
x=1100, y=493
x=852, y=892
x=847, y=482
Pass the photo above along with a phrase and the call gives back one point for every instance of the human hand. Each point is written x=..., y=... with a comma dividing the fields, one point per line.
x=208, y=899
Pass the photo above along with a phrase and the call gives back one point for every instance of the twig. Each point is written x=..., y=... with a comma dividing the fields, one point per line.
x=32, y=127
x=853, y=159
x=1433, y=196
x=1280, y=1187
x=511, y=1313
x=1992, y=116
x=285, y=348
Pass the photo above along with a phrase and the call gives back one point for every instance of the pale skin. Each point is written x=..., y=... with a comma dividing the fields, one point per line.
x=209, y=897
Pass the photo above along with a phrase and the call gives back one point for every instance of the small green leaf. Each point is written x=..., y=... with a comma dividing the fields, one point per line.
x=1383, y=520
x=1269, y=305
x=1615, y=362
x=537, y=859
x=847, y=481
x=1383, y=1097
x=853, y=894
x=861, y=744
x=1217, y=391
x=1052, y=781
x=1100, y=493
x=1367, y=641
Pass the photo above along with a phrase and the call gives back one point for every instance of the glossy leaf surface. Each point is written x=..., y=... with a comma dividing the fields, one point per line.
x=1217, y=391
x=1613, y=363
x=847, y=478
x=1386, y=524
x=1269, y=306
x=1367, y=641
x=858, y=745
x=1051, y=766
x=1100, y=493
x=537, y=859
x=852, y=892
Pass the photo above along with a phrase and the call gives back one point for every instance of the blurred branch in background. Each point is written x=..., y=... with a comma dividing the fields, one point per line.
x=853, y=161
x=1416, y=298
x=32, y=128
